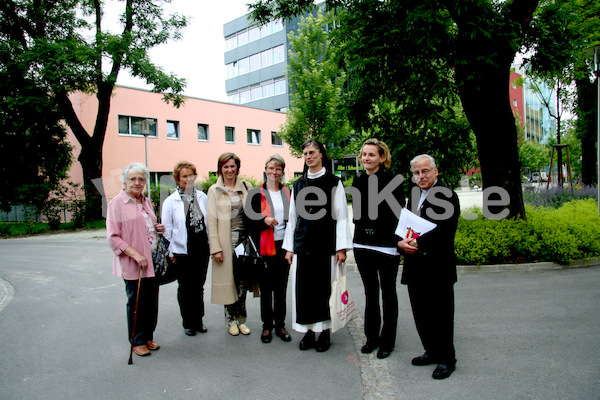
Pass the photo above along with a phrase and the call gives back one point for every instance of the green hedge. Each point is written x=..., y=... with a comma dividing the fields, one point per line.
x=561, y=235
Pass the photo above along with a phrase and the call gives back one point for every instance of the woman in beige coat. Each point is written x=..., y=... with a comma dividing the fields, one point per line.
x=226, y=230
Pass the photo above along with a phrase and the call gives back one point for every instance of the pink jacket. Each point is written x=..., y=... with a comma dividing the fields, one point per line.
x=125, y=227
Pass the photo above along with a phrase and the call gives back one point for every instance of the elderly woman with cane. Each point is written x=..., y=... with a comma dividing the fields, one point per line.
x=131, y=230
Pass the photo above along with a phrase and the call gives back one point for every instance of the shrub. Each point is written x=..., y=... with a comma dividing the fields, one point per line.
x=557, y=196
x=560, y=235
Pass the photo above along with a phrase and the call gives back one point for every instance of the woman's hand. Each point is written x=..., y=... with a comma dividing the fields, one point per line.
x=407, y=246
x=289, y=256
x=271, y=222
x=160, y=228
x=173, y=260
x=218, y=256
x=137, y=257
x=340, y=256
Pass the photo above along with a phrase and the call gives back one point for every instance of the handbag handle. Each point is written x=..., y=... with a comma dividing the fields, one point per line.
x=252, y=243
x=337, y=270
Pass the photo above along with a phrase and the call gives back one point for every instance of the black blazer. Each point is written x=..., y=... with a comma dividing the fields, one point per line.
x=435, y=261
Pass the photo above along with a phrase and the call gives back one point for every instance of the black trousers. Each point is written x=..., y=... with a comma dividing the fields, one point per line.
x=379, y=271
x=147, y=312
x=273, y=288
x=191, y=270
x=433, y=309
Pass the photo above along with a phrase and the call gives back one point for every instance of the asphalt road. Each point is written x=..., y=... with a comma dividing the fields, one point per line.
x=519, y=335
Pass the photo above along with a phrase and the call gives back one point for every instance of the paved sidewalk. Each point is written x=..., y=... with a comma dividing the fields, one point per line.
x=519, y=335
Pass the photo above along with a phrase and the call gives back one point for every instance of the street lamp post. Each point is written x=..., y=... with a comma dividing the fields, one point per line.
x=146, y=132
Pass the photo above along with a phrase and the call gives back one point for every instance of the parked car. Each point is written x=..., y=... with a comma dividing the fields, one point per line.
x=535, y=177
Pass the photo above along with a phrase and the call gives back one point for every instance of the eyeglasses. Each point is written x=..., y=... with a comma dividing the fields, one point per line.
x=422, y=172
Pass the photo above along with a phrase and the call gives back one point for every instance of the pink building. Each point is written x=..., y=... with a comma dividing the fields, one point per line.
x=198, y=132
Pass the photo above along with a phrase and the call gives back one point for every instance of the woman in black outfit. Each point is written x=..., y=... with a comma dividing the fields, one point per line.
x=375, y=244
x=271, y=204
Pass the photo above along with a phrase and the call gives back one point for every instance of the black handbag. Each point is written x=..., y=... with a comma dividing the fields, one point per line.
x=165, y=271
x=252, y=264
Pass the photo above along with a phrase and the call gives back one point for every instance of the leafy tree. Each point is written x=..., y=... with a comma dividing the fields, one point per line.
x=62, y=47
x=316, y=84
x=414, y=57
x=564, y=34
x=34, y=153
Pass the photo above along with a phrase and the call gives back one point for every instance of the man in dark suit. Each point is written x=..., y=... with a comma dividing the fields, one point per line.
x=430, y=267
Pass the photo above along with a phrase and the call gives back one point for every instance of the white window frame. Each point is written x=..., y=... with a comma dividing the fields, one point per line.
x=253, y=137
x=176, y=129
x=131, y=124
x=232, y=134
x=276, y=137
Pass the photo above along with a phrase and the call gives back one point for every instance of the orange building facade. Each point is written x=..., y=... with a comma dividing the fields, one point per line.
x=199, y=131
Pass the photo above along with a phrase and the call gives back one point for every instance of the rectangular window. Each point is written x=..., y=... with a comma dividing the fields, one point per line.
x=253, y=136
x=173, y=129
x=203, y=132
x=514, y=102
x=137, y=126
x=276, y=139
x=229, y=134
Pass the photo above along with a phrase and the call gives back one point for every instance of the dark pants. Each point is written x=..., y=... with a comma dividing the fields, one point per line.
x=379, y=270
x=433, y=310
x=191, y=276
x=273, y=288
x=147, y=311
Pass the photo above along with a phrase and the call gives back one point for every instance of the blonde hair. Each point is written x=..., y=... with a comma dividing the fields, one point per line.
x=277, y=159
x=384, y=150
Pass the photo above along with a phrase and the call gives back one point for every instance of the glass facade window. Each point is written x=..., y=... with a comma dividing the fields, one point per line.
x=229, y=134
x=203, y=132
x=256, y=61
x=252, y=34
x=268, y=88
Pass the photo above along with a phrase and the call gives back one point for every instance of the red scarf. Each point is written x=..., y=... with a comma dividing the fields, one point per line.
x=267, y=237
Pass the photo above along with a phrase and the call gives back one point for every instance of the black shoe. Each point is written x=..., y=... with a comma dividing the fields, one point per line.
x=308, y=341
x=201, y=329
x=384, y=352
x=266, y=338
x=368, y=348
x=190, y=332
x=443, y=371
x=324, y=341
x=425, y=359
x=283, y=334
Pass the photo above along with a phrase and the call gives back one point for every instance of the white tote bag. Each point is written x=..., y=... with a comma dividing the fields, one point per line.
x=343, y=309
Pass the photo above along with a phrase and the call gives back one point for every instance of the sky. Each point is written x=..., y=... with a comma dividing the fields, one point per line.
x=198, y=56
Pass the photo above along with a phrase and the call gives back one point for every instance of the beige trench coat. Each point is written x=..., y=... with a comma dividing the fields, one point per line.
x=219, y=228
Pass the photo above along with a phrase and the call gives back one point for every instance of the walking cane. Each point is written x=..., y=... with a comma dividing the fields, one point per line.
x=137, y=297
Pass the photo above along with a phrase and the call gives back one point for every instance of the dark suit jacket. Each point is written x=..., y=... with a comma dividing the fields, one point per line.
x=435, y=260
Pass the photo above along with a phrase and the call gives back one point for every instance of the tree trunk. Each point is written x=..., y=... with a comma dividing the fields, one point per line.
x=486, y=104
x=91, y=163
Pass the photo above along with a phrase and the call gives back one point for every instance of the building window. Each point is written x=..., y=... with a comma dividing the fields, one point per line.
x=514, y=102
x=203, y=132
x=253, y=136
x=229, y=134
x=256, y=61
x=262, y=90
x=173, y=129
x=276, y=139
x=137, y=125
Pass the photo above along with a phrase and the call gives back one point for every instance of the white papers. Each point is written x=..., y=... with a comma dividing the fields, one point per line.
x=410, y=225
x=240, y=250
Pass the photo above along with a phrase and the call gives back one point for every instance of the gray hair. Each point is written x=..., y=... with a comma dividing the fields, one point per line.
x=135, y=167
x=278, y=160
x=421, y=156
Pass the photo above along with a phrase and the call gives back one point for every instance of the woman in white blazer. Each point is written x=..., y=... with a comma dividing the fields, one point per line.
x=184, y=216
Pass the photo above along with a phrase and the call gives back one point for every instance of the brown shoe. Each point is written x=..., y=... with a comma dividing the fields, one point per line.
x=141, y=350
x=152, y=345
